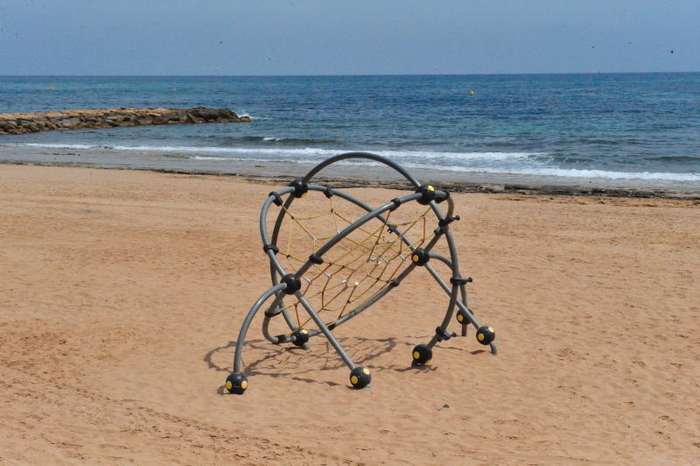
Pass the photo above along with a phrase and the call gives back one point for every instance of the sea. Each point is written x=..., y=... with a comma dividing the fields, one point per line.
x=603, y=129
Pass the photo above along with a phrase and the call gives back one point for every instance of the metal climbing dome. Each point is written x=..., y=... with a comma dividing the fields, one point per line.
x=336, y=256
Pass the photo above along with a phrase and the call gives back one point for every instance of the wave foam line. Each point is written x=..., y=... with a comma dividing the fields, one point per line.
x=572, y=173
x=291, y=152
x=312, y=155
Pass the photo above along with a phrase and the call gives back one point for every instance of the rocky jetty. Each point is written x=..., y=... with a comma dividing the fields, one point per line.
x=20, y=123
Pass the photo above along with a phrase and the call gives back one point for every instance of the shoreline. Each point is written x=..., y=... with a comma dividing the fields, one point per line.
x=347, y=178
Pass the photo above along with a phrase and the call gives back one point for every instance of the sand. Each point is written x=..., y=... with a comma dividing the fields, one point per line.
x=122, y=293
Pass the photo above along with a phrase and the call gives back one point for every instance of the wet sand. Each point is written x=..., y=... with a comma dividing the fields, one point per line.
x=347, y=174
x=122, y=293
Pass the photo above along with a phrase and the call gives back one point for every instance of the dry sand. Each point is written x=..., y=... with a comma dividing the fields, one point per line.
x=121, y=295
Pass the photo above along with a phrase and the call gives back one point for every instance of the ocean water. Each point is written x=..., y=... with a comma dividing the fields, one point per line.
x=611, y=128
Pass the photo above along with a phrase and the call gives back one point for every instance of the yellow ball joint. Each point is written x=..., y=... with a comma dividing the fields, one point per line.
x=422, y=355
x=427, y=193
x=301, y=336
x=420, y=256
x=236, y=383
x=360, y=377
x=462, y=317
x=485, y=335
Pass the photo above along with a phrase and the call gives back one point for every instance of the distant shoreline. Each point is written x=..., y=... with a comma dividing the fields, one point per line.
x=348, y=179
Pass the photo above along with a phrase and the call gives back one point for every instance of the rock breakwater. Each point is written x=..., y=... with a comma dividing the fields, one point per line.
x=20, y=123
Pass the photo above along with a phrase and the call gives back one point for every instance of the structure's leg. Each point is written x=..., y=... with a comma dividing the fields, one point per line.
x=484, y=335
x=360, y=377
x=270, y=313
x=237, y=382
x=465, y=323
x=422, y=354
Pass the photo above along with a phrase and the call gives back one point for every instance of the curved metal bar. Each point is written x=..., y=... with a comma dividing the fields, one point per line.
x=453, y=253
x=452, y=292
x=368, y=208
x=268, y=319
x=249, y=318
x=361, y=155
x=450, y=206
x=266, y=331
x=462, y=304
x=440, y=257
x=274, y=263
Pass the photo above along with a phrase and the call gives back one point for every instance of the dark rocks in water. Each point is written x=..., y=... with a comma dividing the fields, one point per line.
x=19, y=123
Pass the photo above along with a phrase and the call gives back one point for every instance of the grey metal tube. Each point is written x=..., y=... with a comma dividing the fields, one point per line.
x=469, y=313
x=452, y=292
x=325, y=330
x=362, y=155
x=274, y=263
x=267, y=320
x=248, y=319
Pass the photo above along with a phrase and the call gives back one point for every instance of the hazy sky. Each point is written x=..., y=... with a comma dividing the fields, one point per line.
x=347, y=37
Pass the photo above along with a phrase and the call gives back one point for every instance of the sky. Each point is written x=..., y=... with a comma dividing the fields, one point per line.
x=336, y=37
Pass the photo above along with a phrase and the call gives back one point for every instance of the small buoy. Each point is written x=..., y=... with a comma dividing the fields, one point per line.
x=471, y=92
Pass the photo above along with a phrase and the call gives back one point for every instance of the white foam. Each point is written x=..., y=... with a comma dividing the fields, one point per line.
x=481, y=162
x=61, y=146
x=458, y=155
x=571, y=173
x=299, y=152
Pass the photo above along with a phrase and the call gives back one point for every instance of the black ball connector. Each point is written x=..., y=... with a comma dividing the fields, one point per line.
x=420, y=256
x=427, y=194
x=236, y=383
x=422, y=355
x=360, y=377
x=301, y=337
x=462, y=317
x=301, y=188
x=485, y=335
x=292, y=282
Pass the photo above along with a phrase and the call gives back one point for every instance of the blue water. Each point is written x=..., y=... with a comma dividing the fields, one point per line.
x=580, y=127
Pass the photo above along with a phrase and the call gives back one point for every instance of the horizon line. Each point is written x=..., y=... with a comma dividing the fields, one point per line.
x=107, y=75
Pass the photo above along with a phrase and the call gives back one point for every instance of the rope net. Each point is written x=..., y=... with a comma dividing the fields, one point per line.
x=357, y=268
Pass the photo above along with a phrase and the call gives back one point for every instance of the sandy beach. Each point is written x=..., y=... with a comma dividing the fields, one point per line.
x=122, y=293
